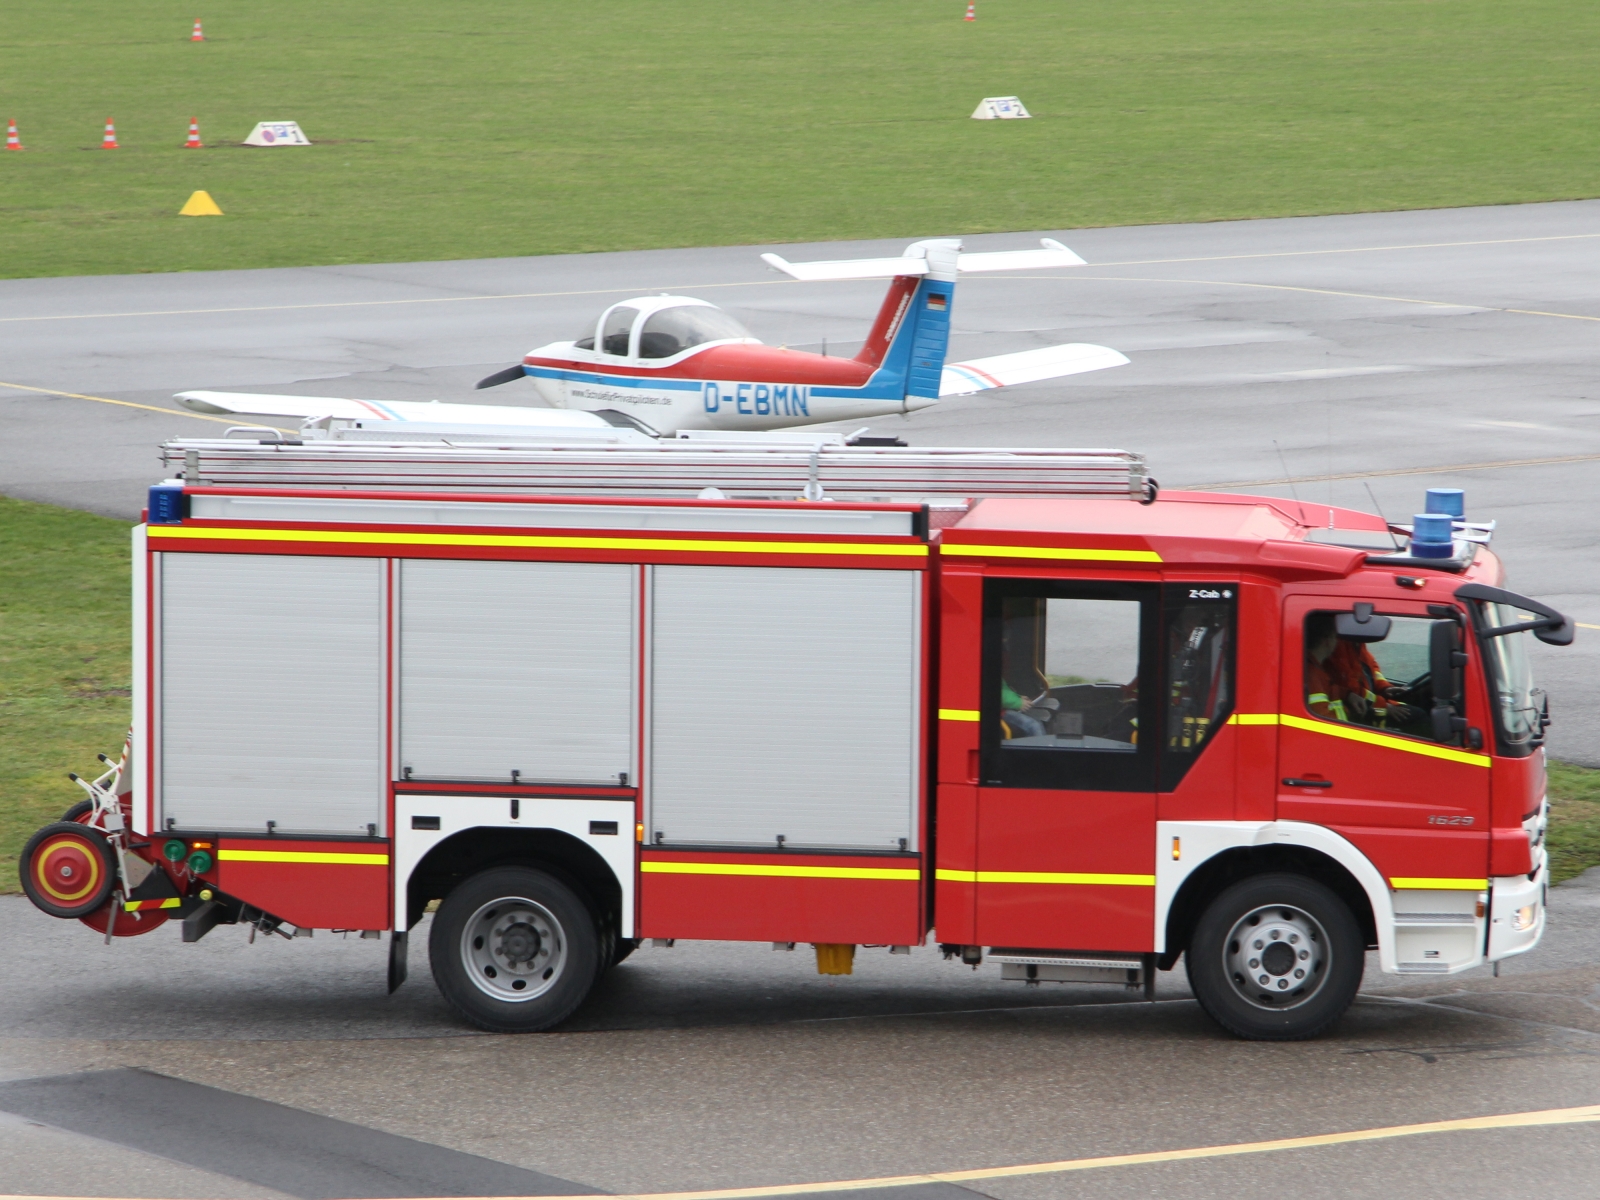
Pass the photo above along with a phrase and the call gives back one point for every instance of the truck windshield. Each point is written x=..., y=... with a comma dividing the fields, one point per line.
x=1519, y=704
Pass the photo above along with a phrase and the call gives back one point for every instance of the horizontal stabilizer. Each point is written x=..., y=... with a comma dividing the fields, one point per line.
x=254, y=404
x=1027, y=366
x=853, y=268
x=1053, y=254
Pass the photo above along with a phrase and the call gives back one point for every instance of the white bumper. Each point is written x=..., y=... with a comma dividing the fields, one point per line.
x=1517, y=911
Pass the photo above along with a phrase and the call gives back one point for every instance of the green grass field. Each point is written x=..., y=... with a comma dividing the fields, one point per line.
x=64, y=680
x=483, y=128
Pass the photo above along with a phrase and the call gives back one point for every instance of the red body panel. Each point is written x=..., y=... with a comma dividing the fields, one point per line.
x=1390, y=802
x=1517, y=789
x=310, y=894
x=774, y=908
x=1059, y=832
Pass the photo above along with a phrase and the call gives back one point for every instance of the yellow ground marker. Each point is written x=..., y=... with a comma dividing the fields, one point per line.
x=200, y=205
x=1583, y=1114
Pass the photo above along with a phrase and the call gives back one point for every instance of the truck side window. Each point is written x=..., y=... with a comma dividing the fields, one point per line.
x=1066, y=698
x=1198, y=639
x=1382, y=685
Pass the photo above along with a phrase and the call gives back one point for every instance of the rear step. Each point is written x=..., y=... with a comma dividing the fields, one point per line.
x=1076, y=966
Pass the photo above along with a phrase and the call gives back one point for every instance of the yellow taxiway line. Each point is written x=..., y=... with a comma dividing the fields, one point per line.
x=169, y=412
x=1582, y=1114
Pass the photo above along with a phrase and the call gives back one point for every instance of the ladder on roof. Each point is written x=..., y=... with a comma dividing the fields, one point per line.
x=736, y=469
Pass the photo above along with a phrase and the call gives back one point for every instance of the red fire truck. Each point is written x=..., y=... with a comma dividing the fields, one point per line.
x=568, y=696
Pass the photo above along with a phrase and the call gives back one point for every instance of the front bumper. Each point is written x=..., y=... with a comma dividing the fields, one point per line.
x=1517, y=910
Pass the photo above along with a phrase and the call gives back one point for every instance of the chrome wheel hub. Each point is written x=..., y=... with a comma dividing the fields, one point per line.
x=1276, y=957
x=513, y=949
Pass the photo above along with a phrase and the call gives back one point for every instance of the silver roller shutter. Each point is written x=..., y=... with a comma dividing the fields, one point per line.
x=784, y=701
x=272, y=692
x=517, y=666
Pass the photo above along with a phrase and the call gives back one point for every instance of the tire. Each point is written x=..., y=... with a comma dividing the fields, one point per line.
x=1254, y=989
x=68, y=870
x=78, y=812
x=514, y=950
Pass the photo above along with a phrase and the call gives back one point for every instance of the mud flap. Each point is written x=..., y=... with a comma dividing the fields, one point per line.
x=397, y=960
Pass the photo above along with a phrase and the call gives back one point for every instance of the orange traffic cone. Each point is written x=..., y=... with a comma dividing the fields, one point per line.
x=109, y=142
x=197, y=36
x=13, y=142
x=972, y=13
x=194, y=142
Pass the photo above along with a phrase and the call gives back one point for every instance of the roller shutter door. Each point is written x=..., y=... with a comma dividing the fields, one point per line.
x=517, y=666
x=272, y=692
x=784, y=701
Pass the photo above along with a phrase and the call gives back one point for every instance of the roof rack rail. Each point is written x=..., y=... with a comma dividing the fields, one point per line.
x=782, y=469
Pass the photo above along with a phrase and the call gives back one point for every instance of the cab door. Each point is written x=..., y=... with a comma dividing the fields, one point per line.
x=1065, y=851
x=1416, y=806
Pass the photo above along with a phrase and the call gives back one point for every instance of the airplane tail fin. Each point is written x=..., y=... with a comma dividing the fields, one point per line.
x=912, y=331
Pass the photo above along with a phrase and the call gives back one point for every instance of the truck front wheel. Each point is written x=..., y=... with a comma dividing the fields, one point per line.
x=1276, y=958
x=514, y=950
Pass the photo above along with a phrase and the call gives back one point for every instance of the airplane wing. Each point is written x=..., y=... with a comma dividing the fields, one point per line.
x=1002, y=370
x=255, y=404
x=1053, y=254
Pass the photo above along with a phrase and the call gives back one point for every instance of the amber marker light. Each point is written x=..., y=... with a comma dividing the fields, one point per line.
x=1177, y=849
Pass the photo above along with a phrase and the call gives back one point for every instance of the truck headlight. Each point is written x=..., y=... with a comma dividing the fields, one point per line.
x=1524, y=917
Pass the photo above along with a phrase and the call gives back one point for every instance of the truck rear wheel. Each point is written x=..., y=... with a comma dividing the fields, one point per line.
x=514, y=950
x=1276, y=958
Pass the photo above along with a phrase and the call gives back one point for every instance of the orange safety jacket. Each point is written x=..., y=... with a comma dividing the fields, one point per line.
x=1323, y=696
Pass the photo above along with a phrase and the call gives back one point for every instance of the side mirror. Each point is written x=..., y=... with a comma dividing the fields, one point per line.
x=1445, y=660
x=1361, y=624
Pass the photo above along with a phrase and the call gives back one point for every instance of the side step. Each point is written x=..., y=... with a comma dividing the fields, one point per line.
x=1068, y=966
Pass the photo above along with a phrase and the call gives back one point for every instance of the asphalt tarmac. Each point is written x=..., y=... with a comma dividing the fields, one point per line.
x=281, y=1068
x=1390, y=351
x=1386, y=351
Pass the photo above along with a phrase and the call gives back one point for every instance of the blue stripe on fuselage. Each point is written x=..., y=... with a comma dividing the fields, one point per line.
x=633, y=381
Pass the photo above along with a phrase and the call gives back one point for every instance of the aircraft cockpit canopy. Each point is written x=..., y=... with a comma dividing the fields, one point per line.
x=660, y=327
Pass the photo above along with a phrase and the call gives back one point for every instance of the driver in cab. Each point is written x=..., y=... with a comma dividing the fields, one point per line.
x=1344, y=681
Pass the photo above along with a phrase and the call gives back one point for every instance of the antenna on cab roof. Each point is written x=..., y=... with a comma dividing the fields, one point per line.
x=1284, y=463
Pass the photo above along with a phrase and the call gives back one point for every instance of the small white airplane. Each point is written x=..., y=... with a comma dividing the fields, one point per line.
x=661, y=364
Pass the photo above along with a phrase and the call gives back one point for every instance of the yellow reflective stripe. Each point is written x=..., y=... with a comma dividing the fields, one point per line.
x=958, y=714
x=1066, y=877
x=304, y=856
x=1439, y=885
x=1355, y=733
x=951, y=876
x=136, y=905
x=1076, y=553
x=1317, y=698
x=530, y=541
x=655, y=866
x=1253, y=719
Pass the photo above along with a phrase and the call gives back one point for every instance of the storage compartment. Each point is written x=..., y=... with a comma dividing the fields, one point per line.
x=271, y=693
x=519, y=670
x=784, y=707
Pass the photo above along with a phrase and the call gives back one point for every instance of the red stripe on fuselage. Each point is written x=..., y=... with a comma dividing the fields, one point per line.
x=742, y=362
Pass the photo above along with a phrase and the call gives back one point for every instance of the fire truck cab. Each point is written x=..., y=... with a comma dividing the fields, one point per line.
x=1013, y=703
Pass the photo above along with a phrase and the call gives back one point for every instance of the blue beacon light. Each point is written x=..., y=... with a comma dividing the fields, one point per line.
x=1450, y=502
x=1432, y=536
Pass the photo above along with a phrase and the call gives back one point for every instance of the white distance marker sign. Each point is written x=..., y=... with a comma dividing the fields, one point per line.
x=1000, y=108
x=277, y=133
